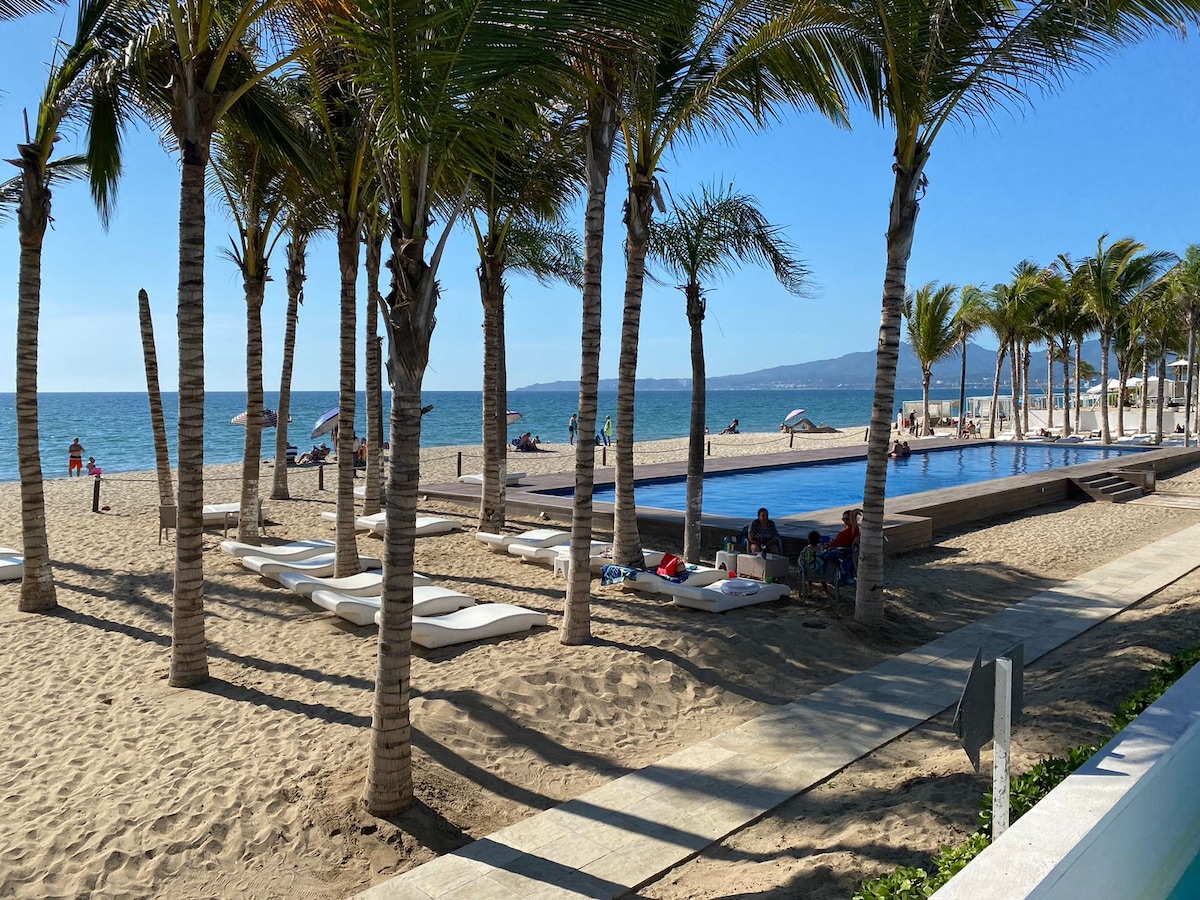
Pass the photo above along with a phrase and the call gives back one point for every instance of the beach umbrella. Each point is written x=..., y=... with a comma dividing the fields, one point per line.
x=513, y=417
x=794, y=414
x=326, y=422
x=270, y=419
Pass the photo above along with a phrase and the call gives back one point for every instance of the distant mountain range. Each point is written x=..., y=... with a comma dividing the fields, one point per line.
x=854, y=371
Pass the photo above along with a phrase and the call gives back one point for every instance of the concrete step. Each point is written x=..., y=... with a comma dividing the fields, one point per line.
x=1109, y=488
x=1133, y=492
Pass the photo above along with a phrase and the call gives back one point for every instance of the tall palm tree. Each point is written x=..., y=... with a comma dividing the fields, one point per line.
x=704, y=237
x=1189, y=275
x=253, y=183
x=158, y=423
x=1165, y=329
x=923, y=67
x=80, y=87
x=1112, y=279
x=970, y=316
x=710, y=67
x=932, y=332
x=195, y=65
x=374, y=233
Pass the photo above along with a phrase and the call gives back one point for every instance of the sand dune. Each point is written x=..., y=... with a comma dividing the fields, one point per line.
x=114, y=783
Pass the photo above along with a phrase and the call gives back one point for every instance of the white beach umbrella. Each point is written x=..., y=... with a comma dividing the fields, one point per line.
x=325, y=423
x=794, y=414
x=1178, y=364
x=513, y=417
x=270, y=419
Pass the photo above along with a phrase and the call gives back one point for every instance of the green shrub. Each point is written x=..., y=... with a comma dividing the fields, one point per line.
x=950, y=859
x=1161, y=679
x=905, y=883
x=1026, y=789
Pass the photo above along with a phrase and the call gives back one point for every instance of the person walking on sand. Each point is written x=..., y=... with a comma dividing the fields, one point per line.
x=75, y=459
x=607, y=430
x=572, y=427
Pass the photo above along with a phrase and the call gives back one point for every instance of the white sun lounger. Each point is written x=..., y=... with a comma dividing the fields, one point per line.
x=547, y=555
x=474, y=623
x=510, y=480
x=317, y=565
x=653, y=583
x=364, y=584
x=723, y=595
x=428, y=600
x=361, y=523
x=538, y=537
x=293, y=551
x=220, y=513
x=12, y=565
x=427, y=526
x=650, y=559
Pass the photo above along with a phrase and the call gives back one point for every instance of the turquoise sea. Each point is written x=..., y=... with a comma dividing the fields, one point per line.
x=115, y=428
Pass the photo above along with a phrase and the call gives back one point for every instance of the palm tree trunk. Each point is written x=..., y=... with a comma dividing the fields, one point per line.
x=926, y=376
x=869, y=597
x=374, y=373
x=1078, y=383
x=158, y=423
x=1105, y=434
x=1191, y=380
x=255, y=286
x=189, y=649
x=346, y=556
x=1066, y=387
x=297, y=252
x=1143, y=422
x=1162, y=390
x=639, y=208
x=601, y=134
x=491, y=292
x=1050, y=386
x=1014, y=372
x=1122, y=377
x=1025, y=361
x=1001, y=352
x=37, y=583
x=962, y=390
x=693, y=512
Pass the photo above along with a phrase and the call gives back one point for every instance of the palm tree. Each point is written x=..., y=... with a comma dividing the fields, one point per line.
x=158, y=424
x=253, y=184
x=970, y=316
x=1165, y=326
x=79, y=87
x=932, y=332
x=374, y=232
x=922, y=67
x=1112, y=279
x=703, y=237
x=1189, y=274
x=710, y=67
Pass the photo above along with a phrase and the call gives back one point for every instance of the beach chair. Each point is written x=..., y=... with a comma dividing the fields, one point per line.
x=364, y=584
x=512, y=479
x=12, y=564
x=296, y=550
x=721, y=596
x=648, y=582
x=428, y=600
x=166, y=521
x=537, y=537
x=317, y=565
x=475, y=623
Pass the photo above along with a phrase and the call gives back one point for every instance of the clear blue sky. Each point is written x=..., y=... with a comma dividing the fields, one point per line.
x=1115, y=151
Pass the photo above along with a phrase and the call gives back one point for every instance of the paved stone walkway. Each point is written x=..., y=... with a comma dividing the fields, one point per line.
x=628, y=832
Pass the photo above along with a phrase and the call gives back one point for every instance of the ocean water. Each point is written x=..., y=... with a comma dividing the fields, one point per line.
x=115, y=428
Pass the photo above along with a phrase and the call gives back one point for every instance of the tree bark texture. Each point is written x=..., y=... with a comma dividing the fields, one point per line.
x=346, y=555
x=37, y=581
x=601, y=133
x=189, y=649
x=1066, y=389
x=1142, y=423
x=297, y=255
x=926, y=376
x=1050, y=387
x=639, y=208
x=962, y=390
x=1191, y=380
x=1001, y=352
x=158, y=422
x=254, y=286
x=1105, y=343
x=1078, y=384
x=1025, y=360
x=1014, y=372
x=372, y=502
x=694, y=509
x=491, y=295
x=869, y=597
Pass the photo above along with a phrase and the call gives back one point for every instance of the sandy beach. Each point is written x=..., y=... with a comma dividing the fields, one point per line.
x=113, y=783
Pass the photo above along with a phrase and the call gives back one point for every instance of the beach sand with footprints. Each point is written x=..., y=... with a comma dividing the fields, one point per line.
x=113, y=783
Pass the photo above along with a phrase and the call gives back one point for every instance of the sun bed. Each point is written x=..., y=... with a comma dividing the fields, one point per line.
x=317, y=565
x=427, y=526
x=650, y=559
x=475, y=623
x=428, y=600
x=724, y=595
x=12, y=565
x=294, y=551
x=547, y=555
x=220, y=513
x=510, y=480
x=648, y=582
x=364, y=584
x=538, y=537
x=361, y=523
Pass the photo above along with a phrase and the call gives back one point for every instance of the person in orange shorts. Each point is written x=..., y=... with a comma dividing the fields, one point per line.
x=75, y=459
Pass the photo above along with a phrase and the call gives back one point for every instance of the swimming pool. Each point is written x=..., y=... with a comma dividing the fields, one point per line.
x=808, y=486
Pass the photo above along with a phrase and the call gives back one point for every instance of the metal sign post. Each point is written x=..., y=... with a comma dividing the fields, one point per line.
x=1001, y=746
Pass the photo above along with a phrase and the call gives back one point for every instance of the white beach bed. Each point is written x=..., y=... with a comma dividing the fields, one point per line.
x=317, y=565
x=364, y=584
x=538, y=537
x=426, y=526
x=724, y=595
x=653, y=583
x=296, y=550
x=428, y=600
x=473, y=624
x=220, y=513
x=12, y=564
x=510, y=480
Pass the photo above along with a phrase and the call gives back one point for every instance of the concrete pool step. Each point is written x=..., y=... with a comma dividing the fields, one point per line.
x=1108, y=488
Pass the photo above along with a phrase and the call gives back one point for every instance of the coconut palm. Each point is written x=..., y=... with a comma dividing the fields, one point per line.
x=932, y=332
x=1189, y=276
x=1113, y=278
x=374, y=232
x=1165, y=326
x=158, y=424
x=970, y=316
x=15, y=9
x=253, y=183
x=925, y=66
x=80, y=87
x=704, y=237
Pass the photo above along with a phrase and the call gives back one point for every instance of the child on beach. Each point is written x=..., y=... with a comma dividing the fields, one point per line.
x=812, y=563
x=92, y=468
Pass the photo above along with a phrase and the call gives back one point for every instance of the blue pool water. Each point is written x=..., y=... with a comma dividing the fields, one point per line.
x=809, y=486
x=1188, y=886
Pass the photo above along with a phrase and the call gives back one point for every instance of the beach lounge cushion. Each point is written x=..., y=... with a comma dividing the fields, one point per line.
x=364, y=584
x=317, y=565
x=547, y=555
x=294, y=550
x=651, y=559
x=428, y=600
x=473, y=624
x=724, y=595
x=694, y=576
x=511, y=479
x=12, y=566
x=538, y=537
x=215, y=514
x=426, y=525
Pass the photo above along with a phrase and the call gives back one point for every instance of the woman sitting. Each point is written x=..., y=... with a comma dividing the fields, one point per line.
x=762, y=536
x=731, y=428
x=850, y=530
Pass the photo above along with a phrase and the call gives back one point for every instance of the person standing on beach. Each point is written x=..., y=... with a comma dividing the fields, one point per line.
x=75, y=459
x=607, y=430
x=572, y=427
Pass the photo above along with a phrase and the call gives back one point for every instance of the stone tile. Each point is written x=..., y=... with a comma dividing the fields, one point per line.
x=440, y=876
x=572, y=851
x=531, y=834
x=393, y=889
x=484, y=888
